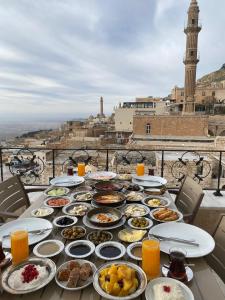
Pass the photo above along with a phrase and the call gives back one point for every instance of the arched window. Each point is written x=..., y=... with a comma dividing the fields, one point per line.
x=148, y=129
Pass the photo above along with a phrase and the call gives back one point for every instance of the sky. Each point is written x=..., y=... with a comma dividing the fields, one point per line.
x=57, y=57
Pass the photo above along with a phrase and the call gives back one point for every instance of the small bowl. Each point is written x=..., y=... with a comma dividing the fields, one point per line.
x=49, y=209
x=57, y=242
x=70, y=206
x=117, y=245
x=164, y=202
x=58, y=197
x=150, y=223
x=140, y=195
x=180, y=216
x=75, y=238
x=55, y=221
x=74, y=195
x=104, y=210
x=131, y=247
x=66, y=191
x=80, y=243
x=98, y=231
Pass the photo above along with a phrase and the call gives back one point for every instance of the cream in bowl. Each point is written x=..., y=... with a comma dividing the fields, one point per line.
x=42, y=212
x=48, y=248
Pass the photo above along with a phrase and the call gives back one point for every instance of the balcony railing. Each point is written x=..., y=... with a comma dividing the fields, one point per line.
x=37, y=166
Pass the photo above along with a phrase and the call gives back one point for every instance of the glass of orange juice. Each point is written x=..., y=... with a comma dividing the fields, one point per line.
x=19, y=246
x=140, y=169
x=151, y=258
x=81, y=169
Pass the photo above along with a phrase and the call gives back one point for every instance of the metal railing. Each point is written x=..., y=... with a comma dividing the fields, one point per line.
x=36, y=166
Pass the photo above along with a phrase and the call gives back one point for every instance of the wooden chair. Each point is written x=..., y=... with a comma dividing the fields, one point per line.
x=216, y=259
x=189, y=198
x=13, y=197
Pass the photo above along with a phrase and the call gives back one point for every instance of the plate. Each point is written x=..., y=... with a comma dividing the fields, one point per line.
x=108, y=186
x=134, y=227
x=80, y=193
x=55, y=198
x=140, y=275
x=80, y=243
x=145, y=209
x=69, y=207
x=149, y=181
x=90, y=225
x=89, y=281
x=131, y=196
x=109, y=198
x=43, y=262
x=108, y=244
x=57, y=242
x=180, y=215
x=124, y=177
x=119, y=206
x=64, y=191
x=74, y=219
x=149, y=294
x=135, y=235
x=102, y=175
x=49, y=211
x=131, y=247
x=189, y=273
x=28, y=224
x=187, y=231
x=67, y=181
x=165, y=202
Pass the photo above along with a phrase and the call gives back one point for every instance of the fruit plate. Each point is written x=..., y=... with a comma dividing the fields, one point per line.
x=142, y=279
x=149, y=292
x=43, y=262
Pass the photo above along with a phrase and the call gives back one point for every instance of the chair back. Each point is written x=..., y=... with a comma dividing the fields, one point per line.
x=189, y=199
x=216, y=259
x=13, y=195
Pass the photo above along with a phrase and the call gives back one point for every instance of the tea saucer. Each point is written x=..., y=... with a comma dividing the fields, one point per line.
x=189, y=273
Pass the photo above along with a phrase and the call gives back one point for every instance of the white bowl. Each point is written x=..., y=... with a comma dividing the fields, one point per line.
x=64, y=216
x=57, y=187
x=59, y=206
x=59, y=243
x=80, y=242
x=131, y=247
x=166, y=202
x=110, y=243
x=150, y=223
x=50, y=212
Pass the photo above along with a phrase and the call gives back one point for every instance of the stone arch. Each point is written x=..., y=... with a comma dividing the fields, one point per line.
x=211, y=133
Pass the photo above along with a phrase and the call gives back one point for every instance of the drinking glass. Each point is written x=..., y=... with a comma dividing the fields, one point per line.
x=81, y=169
x=140, y=169
x=19, y=246
x=177, y=268
x=151, y=257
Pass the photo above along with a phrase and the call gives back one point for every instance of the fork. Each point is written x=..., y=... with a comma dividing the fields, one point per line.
x=36, y=232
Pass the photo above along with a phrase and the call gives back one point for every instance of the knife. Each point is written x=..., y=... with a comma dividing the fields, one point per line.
x=38, y=231
x=175, y=239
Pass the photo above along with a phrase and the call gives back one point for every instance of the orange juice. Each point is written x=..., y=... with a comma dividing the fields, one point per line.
x=81, y=169
x=140, y=170
x=151, y=258
x=19, y=246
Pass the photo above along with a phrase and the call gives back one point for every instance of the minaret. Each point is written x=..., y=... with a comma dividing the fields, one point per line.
x=191, y=58
x=101, y=107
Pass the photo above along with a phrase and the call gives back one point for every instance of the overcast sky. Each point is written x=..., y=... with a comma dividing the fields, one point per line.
x=57, y=57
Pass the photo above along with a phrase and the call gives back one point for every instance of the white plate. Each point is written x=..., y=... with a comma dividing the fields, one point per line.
x=187, y=231
x=180, y=216
x=28, y=224
x=134, y=227
x=89, y=281
x=50, y=212
x=67, y=181
x=149, y=181
x=88, y=224
x=189, y=273
x=102, y=175
x=75, y=220
x=114, y=244
x=80, y=242
x=59, y=243
x=130, y=248
x=70, y=206
x=56, y=197
x=166, y=202
x=147, y=210
x=149, y=294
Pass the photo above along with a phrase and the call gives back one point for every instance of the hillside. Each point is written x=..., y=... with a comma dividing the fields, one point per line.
x=215, y=76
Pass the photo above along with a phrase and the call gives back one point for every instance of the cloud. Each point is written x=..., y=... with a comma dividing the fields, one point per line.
x=58, y=57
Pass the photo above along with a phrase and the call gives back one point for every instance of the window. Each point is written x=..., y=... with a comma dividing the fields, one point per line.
x=193, y=21
x=182, y=93
x=148, y=128
x=213, y=93
x=203, y=93
x=192, y=53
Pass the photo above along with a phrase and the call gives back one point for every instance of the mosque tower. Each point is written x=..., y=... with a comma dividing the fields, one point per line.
x=101, y=107
x=191, y=57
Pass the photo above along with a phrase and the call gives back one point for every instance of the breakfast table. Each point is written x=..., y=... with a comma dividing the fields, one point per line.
x=204, y=285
